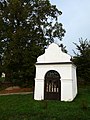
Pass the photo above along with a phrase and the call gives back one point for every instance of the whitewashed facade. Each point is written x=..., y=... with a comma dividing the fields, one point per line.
x=55, y=59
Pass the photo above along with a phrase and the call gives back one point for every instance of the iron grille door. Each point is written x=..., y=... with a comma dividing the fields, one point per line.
x=52, y=85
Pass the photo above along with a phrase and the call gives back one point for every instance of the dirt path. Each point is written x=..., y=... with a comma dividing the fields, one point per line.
x=16, y=90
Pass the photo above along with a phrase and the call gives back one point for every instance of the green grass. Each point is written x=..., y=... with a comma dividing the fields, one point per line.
x=23, y=107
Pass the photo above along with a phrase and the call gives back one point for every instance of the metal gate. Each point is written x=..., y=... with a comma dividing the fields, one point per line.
x=52, y=88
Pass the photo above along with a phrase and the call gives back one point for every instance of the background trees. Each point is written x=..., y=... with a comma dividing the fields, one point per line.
x=26, y=27
x=82, y=60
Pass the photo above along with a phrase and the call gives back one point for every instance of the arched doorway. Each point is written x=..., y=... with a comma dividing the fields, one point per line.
x=52, y=87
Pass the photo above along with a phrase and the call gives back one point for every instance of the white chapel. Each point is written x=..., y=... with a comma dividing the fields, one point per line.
x=55, y=76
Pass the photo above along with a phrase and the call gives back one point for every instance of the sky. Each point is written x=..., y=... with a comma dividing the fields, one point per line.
x=76, y=21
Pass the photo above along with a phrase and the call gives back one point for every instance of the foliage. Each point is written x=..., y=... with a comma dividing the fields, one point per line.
x=63, y=48
x=82, y=59
x=26, y=27
x=23, y=107
x=2, y=79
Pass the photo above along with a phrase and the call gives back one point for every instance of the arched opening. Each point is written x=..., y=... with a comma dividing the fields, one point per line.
x=52, y=86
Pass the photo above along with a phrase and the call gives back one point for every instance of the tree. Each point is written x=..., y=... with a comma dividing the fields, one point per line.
x=82, y=60
x=26, y=27
x=63, y=48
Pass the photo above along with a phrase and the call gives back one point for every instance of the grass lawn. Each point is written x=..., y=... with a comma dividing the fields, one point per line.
x=23, y=107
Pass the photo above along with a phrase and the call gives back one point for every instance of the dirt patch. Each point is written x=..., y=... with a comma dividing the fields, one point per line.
x=15, y=89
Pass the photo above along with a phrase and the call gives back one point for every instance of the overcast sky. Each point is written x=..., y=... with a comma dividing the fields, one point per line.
x=75, y=19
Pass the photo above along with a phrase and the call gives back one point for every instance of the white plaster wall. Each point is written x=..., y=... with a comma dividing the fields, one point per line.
x=39, y=89
x=74, y=81
x=66, y=71
x=66, y=90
